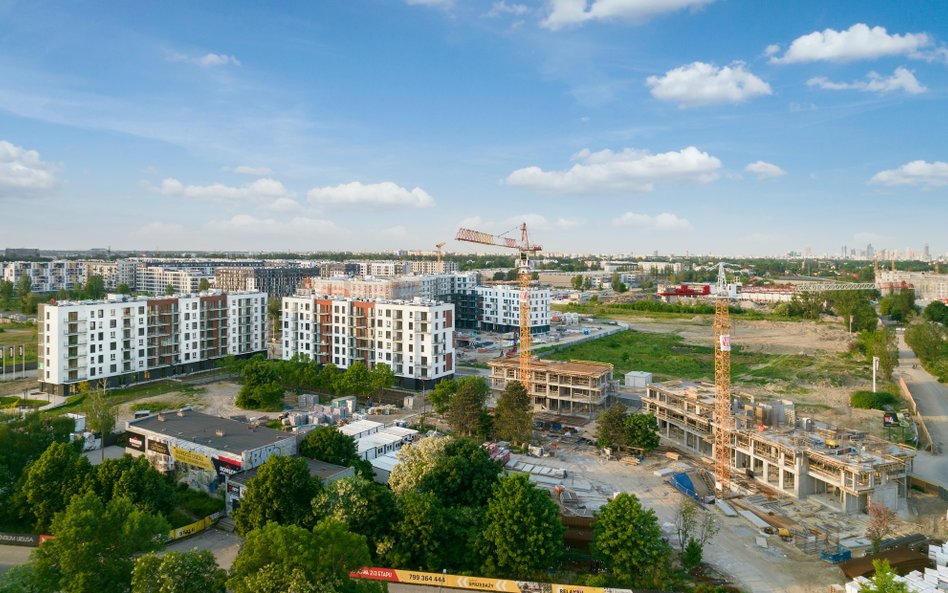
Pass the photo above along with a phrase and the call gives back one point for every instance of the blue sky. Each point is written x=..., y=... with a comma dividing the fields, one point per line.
x=710, y=126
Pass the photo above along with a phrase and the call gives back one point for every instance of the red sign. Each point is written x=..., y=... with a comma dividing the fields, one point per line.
x=375, y=574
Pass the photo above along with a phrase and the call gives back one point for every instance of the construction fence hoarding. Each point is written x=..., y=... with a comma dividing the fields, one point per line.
x=451, y=581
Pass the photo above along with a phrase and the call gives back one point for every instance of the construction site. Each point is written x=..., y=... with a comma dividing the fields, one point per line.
x=844, y=469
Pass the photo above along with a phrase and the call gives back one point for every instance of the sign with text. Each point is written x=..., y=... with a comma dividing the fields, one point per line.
x=725, y=343
x=191, y=458
x=158, y=447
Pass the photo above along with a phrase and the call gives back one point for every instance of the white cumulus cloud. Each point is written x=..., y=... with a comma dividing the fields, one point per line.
x=665, y=221
x=565, y=13
x=370, y=194
x=502, y=7
x=699, y=83
x=765, y=170
x=23, y=173
x=630, y=170
x=208, y=60
x=901, y=80
x=265, y=188
x=916, y=173
x=859, y=42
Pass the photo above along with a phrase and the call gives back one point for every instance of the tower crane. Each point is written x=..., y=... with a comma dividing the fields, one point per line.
x=526, y=249
x=724, y=426
x=438, y=247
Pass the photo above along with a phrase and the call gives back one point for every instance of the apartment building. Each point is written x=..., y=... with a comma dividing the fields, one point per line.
x=841, y=468
x=575, y=388
x=499, y=309
x=405, y=288
x=431, y=266
x=276, y=281
x=928, y=286
x=415, y=338
x=157, y=279
x=383, y=268
x=46, y=276
x=125, y=340
x=108, y=270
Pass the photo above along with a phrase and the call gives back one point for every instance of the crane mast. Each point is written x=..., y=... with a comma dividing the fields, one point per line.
x=722, y=385
x=525, y=249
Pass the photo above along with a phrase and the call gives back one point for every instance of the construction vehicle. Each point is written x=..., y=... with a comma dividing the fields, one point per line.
x=526, y=249
x=785, y=534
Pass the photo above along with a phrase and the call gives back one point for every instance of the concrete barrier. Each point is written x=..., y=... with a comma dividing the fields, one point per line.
x=919, y=420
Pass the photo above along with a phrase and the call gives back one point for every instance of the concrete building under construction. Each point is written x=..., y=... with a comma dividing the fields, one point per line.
x=565, y=388
x=844, y=469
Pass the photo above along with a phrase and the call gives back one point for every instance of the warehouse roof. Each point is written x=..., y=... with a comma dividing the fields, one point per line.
x=222, y=434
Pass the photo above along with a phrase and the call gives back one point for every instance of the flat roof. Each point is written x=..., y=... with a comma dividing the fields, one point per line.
x=399, y=431
x=354, y=428
x=385, y=462
x=378, y=439
x=581, y=367
x=317, y=469
x=218, y=433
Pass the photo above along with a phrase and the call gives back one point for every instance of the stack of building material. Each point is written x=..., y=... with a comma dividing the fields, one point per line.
x=928, y=580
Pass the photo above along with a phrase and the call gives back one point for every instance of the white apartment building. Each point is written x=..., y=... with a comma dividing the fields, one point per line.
x=428, y=266
x=156, y=279
x=499, y=308
x=928, y=286
x=126, y=340
x=107, y=269
x=46, y=276
x=383, y=268
x=414, y=338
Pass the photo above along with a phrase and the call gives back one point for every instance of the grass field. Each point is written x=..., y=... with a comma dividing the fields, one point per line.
x=669, y=357
x=14, y=335
x=121, y=396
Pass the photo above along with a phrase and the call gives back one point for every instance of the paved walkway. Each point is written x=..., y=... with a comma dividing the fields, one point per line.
x=932, y=399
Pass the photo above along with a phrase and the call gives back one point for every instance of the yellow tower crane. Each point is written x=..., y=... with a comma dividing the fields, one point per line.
x=438, y=247
x=526, y=249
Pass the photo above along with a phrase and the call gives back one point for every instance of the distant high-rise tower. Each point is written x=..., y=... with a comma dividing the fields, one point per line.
x=870, y=252
x=926, y=253
x=845, y=252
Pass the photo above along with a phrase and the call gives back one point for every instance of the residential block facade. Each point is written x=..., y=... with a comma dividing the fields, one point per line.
x=414, y=338
x=499, y=309
x=124, y=340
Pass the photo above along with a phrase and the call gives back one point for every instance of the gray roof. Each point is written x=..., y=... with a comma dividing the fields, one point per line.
x=195, y=427
x=318, y=469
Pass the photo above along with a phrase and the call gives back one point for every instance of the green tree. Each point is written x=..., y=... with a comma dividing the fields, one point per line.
x=442, y=395
x=936, y=311
x=170, y=290
x=95, y=545
x=628, y=539
x=415, y=461
x=24, y=286
x=461, y=475
x=468, y=406
x=282, y=492
x=577, y=282
x=926, y=340
x=513, y=417
x=692, y=555
x=327, y=444
x=618, y=285
x=134, y=478
x=642, y=431
x=94, y=288
x=356, y=380
x=512, y=274
x=587, y=283
x=884, y=580
x=7, y=290
x=381, y=377
x=273, y=579
x=178, y=572
x=123, y=289
x=523, y=534
x=846, y=303
x=880, y=343
x=330, y=378
x=364, y=506
x=59, y=473
x=417, y=542
x=324, y=555
x=899, y=306
x=99, y=413
x=499, y=276
x=611, y=431
x=22, y=579
x=261, y=389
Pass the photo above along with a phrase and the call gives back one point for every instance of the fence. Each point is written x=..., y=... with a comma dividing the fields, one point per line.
x=919, y=420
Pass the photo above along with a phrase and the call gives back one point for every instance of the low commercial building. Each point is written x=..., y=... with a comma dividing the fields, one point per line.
x=237, y=484
x=414, y=338
x=203, y=450
x=565, y=388
x=124, y=340
x=841, y=468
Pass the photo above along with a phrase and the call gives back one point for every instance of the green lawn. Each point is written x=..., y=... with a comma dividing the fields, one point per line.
x=669, y=357
x=15, y=336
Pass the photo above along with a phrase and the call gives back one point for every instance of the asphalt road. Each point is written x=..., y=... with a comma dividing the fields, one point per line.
x=932, y=399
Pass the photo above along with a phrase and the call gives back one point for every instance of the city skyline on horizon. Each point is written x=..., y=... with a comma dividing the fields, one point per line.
x=702, y=126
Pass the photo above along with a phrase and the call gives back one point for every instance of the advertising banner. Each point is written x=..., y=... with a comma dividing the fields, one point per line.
x=20, y=539
x=226, y=467
x=191, y=458
x=158, y=447
x=436, y=579
x=135, y=441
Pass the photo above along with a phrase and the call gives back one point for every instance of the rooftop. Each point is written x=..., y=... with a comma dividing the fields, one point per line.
x=577, y=367
x=222, y=434
x=354, y=428
x=318, y=469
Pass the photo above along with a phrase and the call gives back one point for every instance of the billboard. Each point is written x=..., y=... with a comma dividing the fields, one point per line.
x=158, y=447
x=725, y=343
x=896, y=420
x=191, y=458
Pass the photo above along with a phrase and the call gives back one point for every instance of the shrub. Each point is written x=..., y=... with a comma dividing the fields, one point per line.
x=867, y=400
